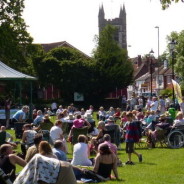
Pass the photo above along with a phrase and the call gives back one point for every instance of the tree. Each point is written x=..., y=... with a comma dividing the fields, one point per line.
x=112, y=65
x=14, y=39
x=178, y=54
x=68, y=70
x=167, y=3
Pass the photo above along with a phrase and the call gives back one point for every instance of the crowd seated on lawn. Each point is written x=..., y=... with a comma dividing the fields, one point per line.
x=104, y=151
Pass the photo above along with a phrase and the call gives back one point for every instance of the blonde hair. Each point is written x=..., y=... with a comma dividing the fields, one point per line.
x=179, y=114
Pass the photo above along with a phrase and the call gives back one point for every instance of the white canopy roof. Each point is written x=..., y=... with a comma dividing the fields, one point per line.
x=7, y=73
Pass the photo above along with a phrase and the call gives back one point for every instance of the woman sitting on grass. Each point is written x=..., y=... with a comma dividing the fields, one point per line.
x=105, y=162
x=46, y=150
x=8, y=160
x=81, y=152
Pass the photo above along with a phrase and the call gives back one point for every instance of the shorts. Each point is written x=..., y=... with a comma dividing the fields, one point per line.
x=129, y=147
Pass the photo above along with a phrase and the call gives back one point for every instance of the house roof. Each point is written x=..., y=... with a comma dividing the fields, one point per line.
x=168, y=72
x=7, y=73
x=143, y=77
x=48, y=46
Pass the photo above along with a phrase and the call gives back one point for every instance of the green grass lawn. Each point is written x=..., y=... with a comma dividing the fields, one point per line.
x=159, y=166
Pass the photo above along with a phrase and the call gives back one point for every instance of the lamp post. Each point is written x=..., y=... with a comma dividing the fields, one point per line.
x=172, y=47
x=151, y=70
x=157, y=27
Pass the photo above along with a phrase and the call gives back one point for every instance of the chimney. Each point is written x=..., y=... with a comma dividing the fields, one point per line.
x=139, y=60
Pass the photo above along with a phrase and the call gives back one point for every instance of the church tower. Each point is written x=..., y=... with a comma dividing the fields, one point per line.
x=120, y=23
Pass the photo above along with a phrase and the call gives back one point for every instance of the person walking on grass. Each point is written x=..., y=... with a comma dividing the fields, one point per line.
x=131, y=136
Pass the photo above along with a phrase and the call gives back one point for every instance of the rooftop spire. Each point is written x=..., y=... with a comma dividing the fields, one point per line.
x=101, y=11
x=122, y=11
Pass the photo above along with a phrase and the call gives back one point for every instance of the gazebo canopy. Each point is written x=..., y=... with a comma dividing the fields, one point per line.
x=7, y=73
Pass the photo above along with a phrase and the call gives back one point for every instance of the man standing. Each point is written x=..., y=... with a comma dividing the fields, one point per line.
x=20, y=116
x=7, y=106
x=54, y=107
x=154, y=104
x=162, y=105
x=124, y=102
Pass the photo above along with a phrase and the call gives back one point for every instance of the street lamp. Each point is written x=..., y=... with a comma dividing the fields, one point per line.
x=151, y=69
x=157, y=27
x=172, y=47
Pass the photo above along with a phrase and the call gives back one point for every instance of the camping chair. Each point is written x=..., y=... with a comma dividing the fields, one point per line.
x=2, y=137
x=46, y=135
x=92, y=123
x=114, y=132
x=78, y=131
x=161, y=137
x=18, y=129
x=65, y=128
x=4, y=179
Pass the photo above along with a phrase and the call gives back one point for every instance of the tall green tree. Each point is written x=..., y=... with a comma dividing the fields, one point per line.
x=178, y=54
x=14, y=40
x=114, y=70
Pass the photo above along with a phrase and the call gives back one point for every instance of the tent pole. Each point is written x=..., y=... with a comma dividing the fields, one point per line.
x=31, y=101
x=20, y=94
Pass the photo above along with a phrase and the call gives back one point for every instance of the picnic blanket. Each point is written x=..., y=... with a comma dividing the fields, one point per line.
x=40, y=168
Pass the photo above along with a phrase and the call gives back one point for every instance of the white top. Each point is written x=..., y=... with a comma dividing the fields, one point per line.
x=178, y=122
x=182, y=107
x=80, y=155
x=101, y=113
x=55, y=133
x=167, y=102
x=140, y=101
x=154, y=105
x=59, y=111
x=30, y=134
x=54, y=105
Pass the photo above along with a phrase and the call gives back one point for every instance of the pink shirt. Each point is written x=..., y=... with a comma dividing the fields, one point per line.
x=112, y=147
x=78, y=123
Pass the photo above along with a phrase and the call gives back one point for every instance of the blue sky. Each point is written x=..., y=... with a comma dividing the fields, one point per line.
x=76, y=21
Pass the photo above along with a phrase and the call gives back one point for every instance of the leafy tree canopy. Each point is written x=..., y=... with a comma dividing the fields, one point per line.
x=167, y=3
x=114, y=69
x=178, y=53
x=67, y=69
x=14, y=39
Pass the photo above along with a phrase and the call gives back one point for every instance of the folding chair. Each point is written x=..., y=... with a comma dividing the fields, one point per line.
x=161, y=137
x=78, y=131
x=4, y=179
x=18, y=129
x=114, y=132
x=2, y=137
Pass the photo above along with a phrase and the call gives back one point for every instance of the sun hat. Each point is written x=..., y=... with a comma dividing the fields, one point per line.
x=167, y=114
x=110, y=118
x=162, y=117
x=101, y=124
x=71, y=117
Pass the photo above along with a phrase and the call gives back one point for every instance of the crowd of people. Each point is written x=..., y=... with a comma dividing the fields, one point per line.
x=43, y=139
